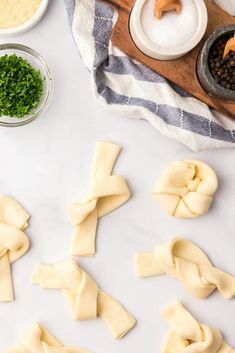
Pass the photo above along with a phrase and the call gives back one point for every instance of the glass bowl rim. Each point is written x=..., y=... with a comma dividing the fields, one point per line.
x=47, y=99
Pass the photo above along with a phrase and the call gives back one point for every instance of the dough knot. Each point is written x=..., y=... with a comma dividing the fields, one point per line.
x=13, y=242
x=106, y=193
x=186, y=335
x=184, y=260
x=185, y=188
x=85, y=299
x=38, y=339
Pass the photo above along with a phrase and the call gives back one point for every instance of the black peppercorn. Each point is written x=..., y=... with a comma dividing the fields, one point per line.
x=222, y=69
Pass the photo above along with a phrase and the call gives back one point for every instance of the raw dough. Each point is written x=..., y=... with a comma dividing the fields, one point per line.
x=185, y=188
x=39, y=340
x=13, y=242
x=85, y=299
x=182, y=259
x=186, y=335
x=105, y=194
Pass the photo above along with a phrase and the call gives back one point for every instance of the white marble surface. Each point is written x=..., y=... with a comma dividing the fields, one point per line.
x=46, y=165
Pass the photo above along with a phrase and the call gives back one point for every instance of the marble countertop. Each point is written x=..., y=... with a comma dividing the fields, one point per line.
x=46, y=165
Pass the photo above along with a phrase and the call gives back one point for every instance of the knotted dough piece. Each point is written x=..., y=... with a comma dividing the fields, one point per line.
x=85, y=299
x=39, y=340
x=105, y=193
x=13, y=242
x=185, y=188
x=184, y=260
x=186, y=335
x=167, y=5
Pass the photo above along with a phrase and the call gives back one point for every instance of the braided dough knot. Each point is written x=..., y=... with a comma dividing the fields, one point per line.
x=182, y=259
x=185, y=188
x=13, y=242
x=38, y=339
x=186, y=335
x=85, y=299
x=106, y=193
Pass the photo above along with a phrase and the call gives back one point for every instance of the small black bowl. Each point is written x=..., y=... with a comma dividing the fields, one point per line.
x=205, y=77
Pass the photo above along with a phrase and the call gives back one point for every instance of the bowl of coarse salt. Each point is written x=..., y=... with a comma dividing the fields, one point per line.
x=171, y=36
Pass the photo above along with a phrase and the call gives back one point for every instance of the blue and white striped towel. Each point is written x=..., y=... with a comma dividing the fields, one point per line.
x=131, y=89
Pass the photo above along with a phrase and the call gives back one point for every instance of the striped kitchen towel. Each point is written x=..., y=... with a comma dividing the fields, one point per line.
x=130, y=89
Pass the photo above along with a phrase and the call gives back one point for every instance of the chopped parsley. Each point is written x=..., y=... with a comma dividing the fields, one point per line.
x=21, y=86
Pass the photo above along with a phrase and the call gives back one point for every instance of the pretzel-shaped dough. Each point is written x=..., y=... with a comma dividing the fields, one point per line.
x=186, y=335
x=13, y=242
x=39, y=340
x=85, y=299
x=185, y=188
x=183, y=259
x=167, y=5
x=106, y=193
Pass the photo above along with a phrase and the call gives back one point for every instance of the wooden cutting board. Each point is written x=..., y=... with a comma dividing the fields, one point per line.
x=181, y=71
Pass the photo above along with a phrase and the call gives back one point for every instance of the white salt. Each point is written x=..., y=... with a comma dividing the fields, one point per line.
x=171, y=30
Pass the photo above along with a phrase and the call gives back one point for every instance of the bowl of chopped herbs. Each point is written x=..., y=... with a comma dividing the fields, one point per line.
x=26, y=85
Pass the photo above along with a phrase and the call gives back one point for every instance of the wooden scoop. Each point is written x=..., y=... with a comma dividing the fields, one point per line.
x=230, y=46
x=167, y=5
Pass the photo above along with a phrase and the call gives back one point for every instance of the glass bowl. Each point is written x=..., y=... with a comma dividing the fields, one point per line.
x=37, y=62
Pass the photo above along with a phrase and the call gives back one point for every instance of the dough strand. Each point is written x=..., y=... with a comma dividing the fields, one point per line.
x=106, y=193
x=86, y=301
x=186, y=335
x=38, y=339
x=13, y=242
x=184, y=260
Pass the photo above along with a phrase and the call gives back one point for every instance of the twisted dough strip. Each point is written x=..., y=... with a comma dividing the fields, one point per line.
x=39, y=340
x=186, y=335
x=85, y=299
x=185, y=188
x=182, y=259
x=13, y=242
x=106, y=193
